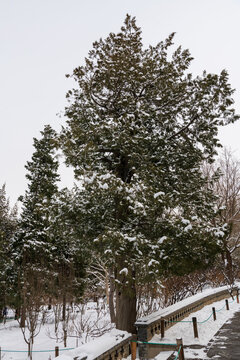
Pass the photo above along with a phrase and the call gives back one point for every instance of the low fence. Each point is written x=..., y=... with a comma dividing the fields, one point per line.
x=178, y=347
x=55, y=351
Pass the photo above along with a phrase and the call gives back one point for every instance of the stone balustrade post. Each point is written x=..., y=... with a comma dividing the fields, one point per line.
x=142, y=333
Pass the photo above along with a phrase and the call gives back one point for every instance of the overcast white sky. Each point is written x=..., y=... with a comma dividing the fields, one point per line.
x=42, y=40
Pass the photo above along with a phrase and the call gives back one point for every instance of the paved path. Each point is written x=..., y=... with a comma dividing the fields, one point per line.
x=224, y=346
x=226, y=343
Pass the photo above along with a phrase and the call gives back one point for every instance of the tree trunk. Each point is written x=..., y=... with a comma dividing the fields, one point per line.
x=107, y=285
x=126, y=301
x=30, y=346
x=64, y=322
x=17, y=313
x=64, y=308
x=23, y=316
x=23, y=307
x=64, y=334
x=111, y=297
x=50, y=303
x=229, y=268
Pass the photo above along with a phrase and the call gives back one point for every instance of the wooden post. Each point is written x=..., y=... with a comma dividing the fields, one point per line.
x=227, y=306
x=214, y=313
x=181, y=353
x=56, y=351
x=162, y=328
x=133, y=350
x=195, y=329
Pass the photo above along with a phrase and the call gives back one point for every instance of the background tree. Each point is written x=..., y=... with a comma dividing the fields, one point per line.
x=69, y=258
x=8, y=226
x=226, y=171
x=32, y=244
x=138, y=129
x=32, y=293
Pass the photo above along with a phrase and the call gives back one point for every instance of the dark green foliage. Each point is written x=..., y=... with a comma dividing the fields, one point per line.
x=139, y=127
x=8, y=226
x=42, y=176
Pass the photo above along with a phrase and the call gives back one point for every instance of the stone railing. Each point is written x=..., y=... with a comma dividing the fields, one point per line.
x=150, y=325
x=119, y=351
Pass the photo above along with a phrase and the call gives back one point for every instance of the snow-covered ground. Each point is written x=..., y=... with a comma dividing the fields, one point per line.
x=11, y=338
x=13, y=346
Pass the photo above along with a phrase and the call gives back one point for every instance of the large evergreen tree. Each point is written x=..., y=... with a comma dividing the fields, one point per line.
x=138, y=129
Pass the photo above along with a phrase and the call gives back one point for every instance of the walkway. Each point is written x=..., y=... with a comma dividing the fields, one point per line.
x=224, y=346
